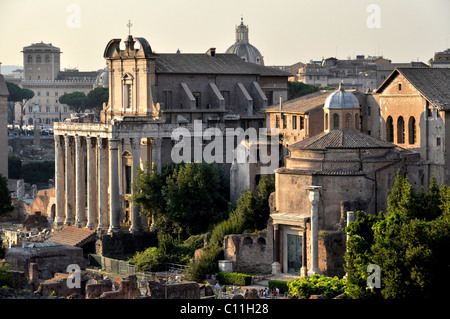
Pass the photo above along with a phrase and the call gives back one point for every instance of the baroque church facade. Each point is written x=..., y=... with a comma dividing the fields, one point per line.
x=151, y=95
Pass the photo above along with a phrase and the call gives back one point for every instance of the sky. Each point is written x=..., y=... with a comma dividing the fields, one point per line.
x=285, y=31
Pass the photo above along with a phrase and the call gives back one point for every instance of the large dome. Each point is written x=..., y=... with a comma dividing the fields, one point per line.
x=243, y=48
x=341, y=99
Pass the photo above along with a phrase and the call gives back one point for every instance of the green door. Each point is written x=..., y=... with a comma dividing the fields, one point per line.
x=294, y=253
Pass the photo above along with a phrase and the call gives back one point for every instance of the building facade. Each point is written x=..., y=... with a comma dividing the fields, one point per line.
x=150, y=97
x=324, y=177
x=43, y=75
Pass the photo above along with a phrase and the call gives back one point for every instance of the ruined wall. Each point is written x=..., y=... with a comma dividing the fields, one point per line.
x=124, y=245
x=182, y=290
x=50, y=260
x=250, y=252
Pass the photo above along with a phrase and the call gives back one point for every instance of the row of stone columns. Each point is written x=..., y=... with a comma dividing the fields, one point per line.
x=102, y=172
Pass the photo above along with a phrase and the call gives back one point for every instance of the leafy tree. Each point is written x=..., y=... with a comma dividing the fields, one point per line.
x=409, y=242
x=96, y=98
x=196, y=197
x=76, y=101
x=5, y=197
x=14, y=166
x=251, y=213
x=184, y=199
x=298, y=89
x=147, y=192
x=20, y=95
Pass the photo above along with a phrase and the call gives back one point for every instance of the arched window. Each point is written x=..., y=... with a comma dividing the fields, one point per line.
x=128, y=91
x=348, y=119
x=412, y=130
x=29, y=59
x=400, y=130
x=38, y=59
x=336, y=121
x=47, y=59
x=389, y=129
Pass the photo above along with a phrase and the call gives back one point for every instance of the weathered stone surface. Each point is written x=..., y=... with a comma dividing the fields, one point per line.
x=50, y=260
x=183, y=290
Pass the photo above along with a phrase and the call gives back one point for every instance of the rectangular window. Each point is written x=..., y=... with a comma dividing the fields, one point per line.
x=128, y=179
x=56, y=109
x=277, y=121
x=438, y=141
x=167, y=99
x=369, y=111
x=197, y=98
x=429, y=112
x=47, y=93
x=39, y=93
x=302, y=123
x=56, y=93
x=129, y=95
x=294, y=122
x=284, y=118
x=47, y=109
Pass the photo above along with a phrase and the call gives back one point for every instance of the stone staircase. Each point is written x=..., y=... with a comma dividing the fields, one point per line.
x=72, y=236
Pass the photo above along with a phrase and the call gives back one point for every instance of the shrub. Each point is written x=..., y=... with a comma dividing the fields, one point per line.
x=280, y=284
x=317, y=285
x=5, y=276
x=229, y=278
x=206, y=264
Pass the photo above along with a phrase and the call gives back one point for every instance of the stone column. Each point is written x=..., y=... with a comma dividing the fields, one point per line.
x=114, y=205
x=102, y=183
x=59, y=181
x=304, y=270
x=70, y=182
x=350, y=219
x=276, y=266
x=314, y=195
x=156, y=154
x=135, y=209
x=91, y=182
x=80, y=198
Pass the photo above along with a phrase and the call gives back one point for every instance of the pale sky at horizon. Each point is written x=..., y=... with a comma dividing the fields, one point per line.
x=285, y=31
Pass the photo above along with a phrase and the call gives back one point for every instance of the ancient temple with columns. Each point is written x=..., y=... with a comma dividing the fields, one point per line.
x=150, y=95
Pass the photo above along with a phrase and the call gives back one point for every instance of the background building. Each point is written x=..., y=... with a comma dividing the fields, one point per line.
x=243, y=48
x=42, y=75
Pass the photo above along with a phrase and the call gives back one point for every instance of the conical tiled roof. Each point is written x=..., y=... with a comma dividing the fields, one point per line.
x=340, y=139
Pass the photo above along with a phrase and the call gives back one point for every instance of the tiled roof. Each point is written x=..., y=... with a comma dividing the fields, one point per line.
x=302, y=104
x=432, y=83
x=221, y=63
x=73, y=236
x=340, y=139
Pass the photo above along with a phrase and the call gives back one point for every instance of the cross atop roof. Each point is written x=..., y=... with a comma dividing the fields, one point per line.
x=129, y=25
